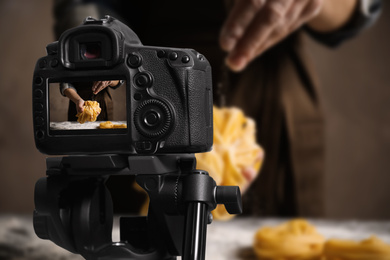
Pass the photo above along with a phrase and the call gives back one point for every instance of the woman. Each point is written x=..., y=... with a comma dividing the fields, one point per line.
x=256, y=50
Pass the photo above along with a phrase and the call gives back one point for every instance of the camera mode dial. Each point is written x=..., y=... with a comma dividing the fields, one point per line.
x=153, y=118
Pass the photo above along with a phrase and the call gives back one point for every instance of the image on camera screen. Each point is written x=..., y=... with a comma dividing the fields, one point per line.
x=88, y=105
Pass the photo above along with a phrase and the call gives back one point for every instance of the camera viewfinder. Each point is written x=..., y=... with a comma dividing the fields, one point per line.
x=89, y=51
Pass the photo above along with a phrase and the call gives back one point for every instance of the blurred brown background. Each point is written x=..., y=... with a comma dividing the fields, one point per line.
x=355, y=80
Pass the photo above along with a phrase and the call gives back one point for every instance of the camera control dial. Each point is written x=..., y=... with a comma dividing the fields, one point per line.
x=153, y=118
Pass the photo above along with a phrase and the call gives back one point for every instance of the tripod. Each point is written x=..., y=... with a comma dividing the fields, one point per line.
x=73, y=207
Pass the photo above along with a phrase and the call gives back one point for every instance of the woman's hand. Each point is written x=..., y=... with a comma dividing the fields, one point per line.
x=253, y=26
x=79, y=106
x=71, y=93
x=100, y=85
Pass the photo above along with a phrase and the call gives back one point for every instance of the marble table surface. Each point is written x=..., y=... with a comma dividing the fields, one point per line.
x=225, y=240
x=69, y=125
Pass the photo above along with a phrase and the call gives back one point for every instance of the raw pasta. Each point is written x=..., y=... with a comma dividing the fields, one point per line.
x=90, y=113
x=234, y=149
x=292, y=240
x=368, y=249
x=111, y=125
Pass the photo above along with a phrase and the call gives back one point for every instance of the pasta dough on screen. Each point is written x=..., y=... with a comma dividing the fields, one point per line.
x=90, y=113
x=111, y=125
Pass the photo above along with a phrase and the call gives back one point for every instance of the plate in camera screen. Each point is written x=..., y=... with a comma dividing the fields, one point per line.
x=63, y=105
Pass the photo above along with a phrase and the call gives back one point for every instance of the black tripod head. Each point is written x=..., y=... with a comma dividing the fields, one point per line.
x=74, y=208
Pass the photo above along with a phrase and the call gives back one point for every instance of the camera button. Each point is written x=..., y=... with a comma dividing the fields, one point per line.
x=38, y=106
x=173, y=56
x=54, y=63
x=40, y=134
x=134, y=60
x=152, y=118
x=38, y=94
x=42, y=63
x=143, y=80
x=39, y=120
x=201, y=57
x=137, y=96
x=185, y=59
x=161, y=53
x=143, y=145
x=38, y=80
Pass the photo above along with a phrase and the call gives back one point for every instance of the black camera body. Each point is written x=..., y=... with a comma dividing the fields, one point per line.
x=168, y=93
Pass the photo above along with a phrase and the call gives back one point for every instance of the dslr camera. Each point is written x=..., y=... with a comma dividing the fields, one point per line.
x=165, y=100
x=162, y=100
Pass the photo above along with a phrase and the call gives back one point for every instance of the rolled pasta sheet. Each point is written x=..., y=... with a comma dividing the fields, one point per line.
x=292, y=240
x=111, y=125
x=371, y=248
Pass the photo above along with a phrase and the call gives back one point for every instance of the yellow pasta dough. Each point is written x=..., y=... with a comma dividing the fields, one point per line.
x=292, y=240
x=234, y=150
x=110, y=125
x=368, y=249
x=90, y=113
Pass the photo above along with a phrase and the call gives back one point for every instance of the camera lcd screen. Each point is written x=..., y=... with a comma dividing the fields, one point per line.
x=87, y=107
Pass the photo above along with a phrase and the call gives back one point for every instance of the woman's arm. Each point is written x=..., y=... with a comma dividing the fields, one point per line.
x=334, y=14
x=100, y=85
x=335, y=25
x=71, y=93
x=253, y=26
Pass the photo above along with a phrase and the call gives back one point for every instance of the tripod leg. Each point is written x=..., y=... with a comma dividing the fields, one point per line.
x=195, y=233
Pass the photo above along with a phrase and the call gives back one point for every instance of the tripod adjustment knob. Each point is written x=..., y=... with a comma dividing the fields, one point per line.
x=230, y=196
